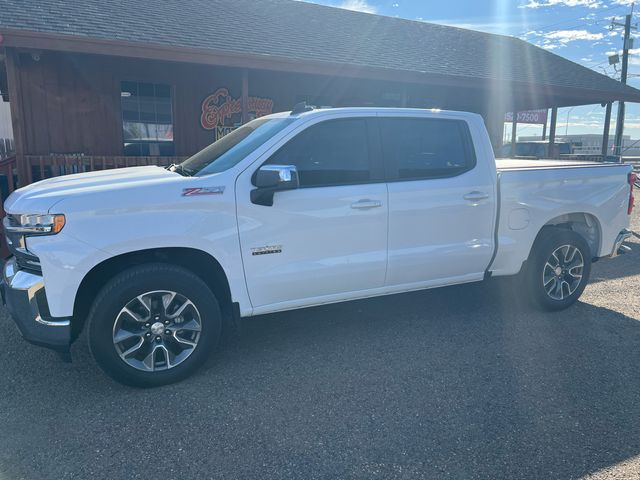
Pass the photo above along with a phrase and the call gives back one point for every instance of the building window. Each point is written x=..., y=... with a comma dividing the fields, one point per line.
x=147, y=119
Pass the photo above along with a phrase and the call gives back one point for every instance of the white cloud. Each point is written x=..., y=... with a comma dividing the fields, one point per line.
x=358, y=6
x=560, y=38
x=633, y=56
x=505, y=27
x=565, y=3
x=566, y=36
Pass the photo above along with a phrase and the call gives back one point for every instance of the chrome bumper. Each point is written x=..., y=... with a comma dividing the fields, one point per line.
x=618, y=246
x=24, y=294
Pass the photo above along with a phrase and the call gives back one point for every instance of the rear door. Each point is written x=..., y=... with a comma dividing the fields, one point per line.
x=441, y=202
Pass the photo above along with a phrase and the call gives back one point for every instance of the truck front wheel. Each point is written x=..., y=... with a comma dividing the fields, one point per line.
x=558, y=269
x=153, y=324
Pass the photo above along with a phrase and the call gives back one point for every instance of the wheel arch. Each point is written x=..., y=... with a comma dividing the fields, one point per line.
x=197, y=261
x=584, y=224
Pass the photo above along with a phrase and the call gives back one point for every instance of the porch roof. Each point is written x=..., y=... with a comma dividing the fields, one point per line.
x=298, y=36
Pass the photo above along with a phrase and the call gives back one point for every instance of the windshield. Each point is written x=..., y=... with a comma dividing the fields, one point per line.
x=232, y=148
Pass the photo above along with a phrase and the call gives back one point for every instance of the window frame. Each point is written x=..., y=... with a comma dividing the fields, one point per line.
x=376, y=167
x=172, y=92
x=392, y=169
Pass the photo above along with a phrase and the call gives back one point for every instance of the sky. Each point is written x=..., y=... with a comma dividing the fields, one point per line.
x=579, y=30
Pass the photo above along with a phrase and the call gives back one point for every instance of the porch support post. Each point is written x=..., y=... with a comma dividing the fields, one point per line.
x=494, y=120
x=514, y=128
x=552, y=131
x=16, y=104
x=245, y=95
x=605, y=133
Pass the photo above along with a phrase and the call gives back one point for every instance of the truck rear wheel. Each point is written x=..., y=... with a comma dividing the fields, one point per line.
x=153, y=325
x=558, y=269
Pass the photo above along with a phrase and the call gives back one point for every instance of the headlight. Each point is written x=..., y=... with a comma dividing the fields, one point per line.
x=34, y=224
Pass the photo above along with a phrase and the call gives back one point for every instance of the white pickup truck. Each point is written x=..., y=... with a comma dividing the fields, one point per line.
x=292, y=210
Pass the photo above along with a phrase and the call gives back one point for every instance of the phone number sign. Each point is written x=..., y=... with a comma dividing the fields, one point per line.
x=531, y=116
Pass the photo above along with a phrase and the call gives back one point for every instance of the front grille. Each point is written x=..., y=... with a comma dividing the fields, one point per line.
x=28, y=262
x=18, y=248
x=13, y=220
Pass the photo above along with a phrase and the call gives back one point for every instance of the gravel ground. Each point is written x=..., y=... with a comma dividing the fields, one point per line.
x=456, y=383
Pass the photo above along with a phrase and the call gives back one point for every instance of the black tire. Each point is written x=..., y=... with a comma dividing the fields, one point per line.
x=565, y=285
x=126, y=287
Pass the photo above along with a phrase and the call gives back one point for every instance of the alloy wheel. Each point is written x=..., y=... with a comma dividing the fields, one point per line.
x=562, y=273
x=157, y=330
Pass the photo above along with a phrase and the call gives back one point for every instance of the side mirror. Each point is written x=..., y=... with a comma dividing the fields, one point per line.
x=270, y=179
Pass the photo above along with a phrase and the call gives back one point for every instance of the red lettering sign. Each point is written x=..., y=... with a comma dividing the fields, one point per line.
x=220, y=106
x=532, y=116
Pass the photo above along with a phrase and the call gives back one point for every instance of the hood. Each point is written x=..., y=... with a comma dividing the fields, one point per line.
x=41, y=196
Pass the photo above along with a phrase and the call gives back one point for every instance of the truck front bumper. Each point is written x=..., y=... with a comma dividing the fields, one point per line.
x=24, y=294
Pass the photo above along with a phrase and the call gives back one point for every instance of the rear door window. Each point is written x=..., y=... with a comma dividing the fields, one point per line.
x=425, y=148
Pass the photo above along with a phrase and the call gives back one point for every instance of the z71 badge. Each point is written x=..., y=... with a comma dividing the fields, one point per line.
x=266, y=250
x=192, y=192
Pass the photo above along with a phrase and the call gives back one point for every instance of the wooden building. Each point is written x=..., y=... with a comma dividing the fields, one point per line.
x=98, y=84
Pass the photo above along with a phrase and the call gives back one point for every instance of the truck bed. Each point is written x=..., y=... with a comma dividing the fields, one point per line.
x=505, y=164
x=529, y=190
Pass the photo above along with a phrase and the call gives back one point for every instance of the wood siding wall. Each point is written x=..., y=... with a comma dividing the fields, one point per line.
x=71, y=102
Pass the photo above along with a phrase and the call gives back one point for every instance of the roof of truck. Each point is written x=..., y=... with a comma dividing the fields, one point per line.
x=315, y=110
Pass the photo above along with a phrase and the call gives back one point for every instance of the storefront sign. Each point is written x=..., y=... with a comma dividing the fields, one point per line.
x=219, y=108
x=538, y=117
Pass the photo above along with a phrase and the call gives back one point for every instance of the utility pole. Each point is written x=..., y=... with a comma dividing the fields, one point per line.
x=623, y=78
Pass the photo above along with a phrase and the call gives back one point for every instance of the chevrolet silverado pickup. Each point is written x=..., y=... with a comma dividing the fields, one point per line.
x=292, y=210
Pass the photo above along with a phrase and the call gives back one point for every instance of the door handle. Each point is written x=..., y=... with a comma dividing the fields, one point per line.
x=366, y=204
x=476, y=196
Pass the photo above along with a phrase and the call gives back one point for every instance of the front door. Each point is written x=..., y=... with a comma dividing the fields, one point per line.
x=326, y=239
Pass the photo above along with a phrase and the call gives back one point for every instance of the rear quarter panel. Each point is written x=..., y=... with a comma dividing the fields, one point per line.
x=530, y=198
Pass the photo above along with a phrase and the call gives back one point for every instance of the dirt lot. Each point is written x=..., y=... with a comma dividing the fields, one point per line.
x=452, y=383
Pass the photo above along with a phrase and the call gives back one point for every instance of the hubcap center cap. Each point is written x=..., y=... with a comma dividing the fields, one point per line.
x=157, y=328
x=558, y=271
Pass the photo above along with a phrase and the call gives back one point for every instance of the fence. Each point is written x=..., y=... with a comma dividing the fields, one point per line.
x=635, y=161
x=40, y=167
x=7, y=148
